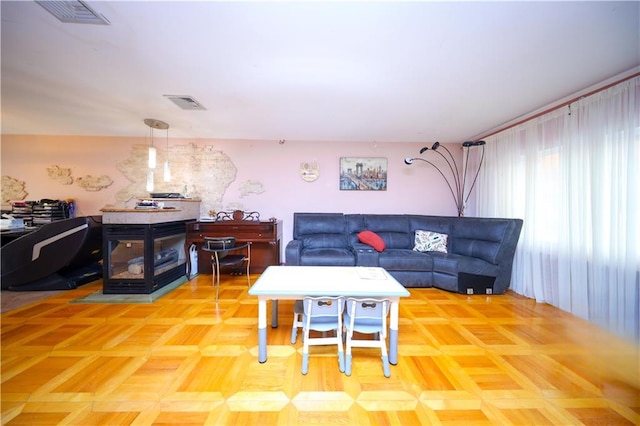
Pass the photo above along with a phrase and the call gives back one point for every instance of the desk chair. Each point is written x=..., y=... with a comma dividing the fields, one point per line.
x=322, y=314
x=220, y=257
x=367, y=316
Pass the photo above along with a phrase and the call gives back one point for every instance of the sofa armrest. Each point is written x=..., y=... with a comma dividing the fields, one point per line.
x=365, y=255
x=292, y=252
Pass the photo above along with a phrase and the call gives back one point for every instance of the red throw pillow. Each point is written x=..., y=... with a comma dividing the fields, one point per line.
x=372, y=239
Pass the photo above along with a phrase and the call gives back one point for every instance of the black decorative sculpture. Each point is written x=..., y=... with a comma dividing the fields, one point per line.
x=457, y=185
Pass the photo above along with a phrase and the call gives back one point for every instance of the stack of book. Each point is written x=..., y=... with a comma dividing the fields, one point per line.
x=147, y=205
x=22, y=210
x=47, y=211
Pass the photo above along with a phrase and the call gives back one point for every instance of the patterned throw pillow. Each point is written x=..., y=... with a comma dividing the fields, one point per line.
x=430, y=241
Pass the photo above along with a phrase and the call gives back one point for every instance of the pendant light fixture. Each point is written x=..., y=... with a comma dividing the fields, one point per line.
x=167, y=169
x=150, y=180
x=160, y=125
x=152, y=157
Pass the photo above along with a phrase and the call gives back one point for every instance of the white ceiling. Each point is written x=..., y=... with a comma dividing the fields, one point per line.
x=341, y=71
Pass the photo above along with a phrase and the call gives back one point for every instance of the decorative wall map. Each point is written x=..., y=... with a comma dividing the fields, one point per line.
x=202, y=171
x=94, y=183
x=60, y=175
x=63, y=176
x=250, y=187
x=197, y=171
x=12, y=189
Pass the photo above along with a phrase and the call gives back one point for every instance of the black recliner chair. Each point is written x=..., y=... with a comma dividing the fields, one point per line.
x=60, y=255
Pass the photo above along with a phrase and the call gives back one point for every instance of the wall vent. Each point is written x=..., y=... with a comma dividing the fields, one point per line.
x=74, y=12
x=186, y=102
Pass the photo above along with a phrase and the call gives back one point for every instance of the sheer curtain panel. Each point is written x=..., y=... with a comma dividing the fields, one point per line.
x=573, y=175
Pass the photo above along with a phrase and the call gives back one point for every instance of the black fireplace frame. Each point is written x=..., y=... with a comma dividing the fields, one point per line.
x=148, y=233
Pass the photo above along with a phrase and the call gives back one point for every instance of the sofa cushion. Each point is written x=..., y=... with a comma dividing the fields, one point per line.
x=387, y=222
x=397, y=240
x=327, y=257
x=452, y=264
x=479, y=237
x=404, y=260
x=430, y=241
x=441, y=224
x=372, y=239
x=446, y=263
x=324, y=240
x=485, y=250
x=392, y=228
x=473, y=265
x=318, y=223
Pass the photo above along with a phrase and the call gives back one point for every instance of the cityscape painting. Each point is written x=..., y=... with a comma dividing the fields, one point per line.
x=363, y=174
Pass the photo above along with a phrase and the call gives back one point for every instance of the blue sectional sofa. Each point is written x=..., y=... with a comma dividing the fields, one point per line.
x=478, y=258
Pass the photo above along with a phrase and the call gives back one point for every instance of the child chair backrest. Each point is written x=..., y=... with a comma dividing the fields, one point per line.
x=323, y=312
x=368, y=315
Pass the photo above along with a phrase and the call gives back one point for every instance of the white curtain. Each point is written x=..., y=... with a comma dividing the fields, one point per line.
x=573, y=175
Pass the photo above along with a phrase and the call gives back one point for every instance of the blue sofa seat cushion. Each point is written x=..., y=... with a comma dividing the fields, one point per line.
x=445, y=262
x=328, y=256
x=452, y=264
x=472, y=265
x=404, y=260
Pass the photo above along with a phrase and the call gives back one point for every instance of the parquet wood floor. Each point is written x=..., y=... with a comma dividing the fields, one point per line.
x=183, y=360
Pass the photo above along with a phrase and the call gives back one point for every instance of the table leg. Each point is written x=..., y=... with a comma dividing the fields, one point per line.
x=262, y=330
x=274, y=314
x=393, y=333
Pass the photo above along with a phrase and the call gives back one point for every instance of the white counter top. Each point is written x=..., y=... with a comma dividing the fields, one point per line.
x=175, y=209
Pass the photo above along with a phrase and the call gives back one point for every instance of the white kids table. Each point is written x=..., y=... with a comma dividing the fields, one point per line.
x=296, y=282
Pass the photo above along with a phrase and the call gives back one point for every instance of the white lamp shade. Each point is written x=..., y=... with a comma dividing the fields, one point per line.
x=152, y=157
x=150, y=180
x=167, y=171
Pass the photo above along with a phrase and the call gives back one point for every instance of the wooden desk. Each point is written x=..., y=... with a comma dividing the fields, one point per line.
x=296, y=282
x=264, y=237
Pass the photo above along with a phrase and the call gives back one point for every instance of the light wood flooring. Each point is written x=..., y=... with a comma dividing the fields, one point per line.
x=185, y=360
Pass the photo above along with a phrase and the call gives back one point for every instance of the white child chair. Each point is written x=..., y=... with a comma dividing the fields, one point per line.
x=367, y=316
x=298, y=311
x=322, y=314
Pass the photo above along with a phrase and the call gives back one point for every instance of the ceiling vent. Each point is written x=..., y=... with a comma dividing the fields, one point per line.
x=186, y=102
x=74, y=12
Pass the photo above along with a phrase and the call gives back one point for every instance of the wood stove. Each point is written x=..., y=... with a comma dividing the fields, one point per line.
x=142, y=258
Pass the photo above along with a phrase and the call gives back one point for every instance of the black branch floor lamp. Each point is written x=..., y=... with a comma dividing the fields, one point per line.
x=456, y=181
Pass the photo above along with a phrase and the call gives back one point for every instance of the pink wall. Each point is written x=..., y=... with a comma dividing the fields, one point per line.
x=417, y=189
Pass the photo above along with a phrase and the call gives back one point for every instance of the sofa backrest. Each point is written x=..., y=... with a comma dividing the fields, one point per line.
x=440, y=224
x=484, y=238
x=392, y=228
x=355, y=224
x=320, y=230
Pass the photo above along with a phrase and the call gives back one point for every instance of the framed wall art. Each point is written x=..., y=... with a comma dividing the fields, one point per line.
x=363, y=174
